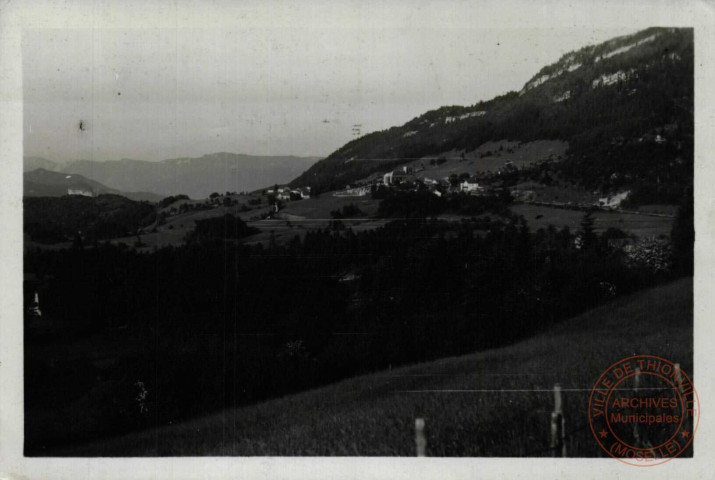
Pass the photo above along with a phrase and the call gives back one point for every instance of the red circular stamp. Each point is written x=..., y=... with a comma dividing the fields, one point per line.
x=644, y=410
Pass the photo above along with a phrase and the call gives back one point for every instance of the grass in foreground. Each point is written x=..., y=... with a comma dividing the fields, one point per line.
x=373, y=415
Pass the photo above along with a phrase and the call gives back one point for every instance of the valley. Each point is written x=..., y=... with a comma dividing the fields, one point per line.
x=257, y=305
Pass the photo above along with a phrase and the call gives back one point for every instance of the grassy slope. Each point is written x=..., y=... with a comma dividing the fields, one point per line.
x=301, y=215
x=374, y=414
x=523, y=155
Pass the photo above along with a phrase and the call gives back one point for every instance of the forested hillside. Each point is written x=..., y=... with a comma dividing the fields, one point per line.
x=84, y=219
x=625, y=107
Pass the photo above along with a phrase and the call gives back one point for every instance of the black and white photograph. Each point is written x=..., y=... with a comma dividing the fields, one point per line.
x=357, y=229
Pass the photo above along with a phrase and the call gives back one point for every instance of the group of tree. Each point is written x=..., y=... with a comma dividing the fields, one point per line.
x=220, y=324
x=61, y=219
x=171, y=199
x=347, y=211
x=226, y=227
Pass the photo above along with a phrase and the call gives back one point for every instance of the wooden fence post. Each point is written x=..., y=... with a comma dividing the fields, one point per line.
x=558, y=425
x=678, y=377
x=636, y=387
x=679, y=382
x=420, y=440
x=637, y=379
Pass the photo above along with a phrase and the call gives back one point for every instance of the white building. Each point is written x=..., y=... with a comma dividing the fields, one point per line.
x=80, y=191
x=467, y=186
x=394, y=177
x=354, y=192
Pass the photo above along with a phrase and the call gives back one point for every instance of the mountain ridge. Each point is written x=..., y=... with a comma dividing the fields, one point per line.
x=194, y=176
x=603, y=100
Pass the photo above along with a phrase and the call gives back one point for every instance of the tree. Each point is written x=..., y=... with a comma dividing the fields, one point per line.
x=219, y=228
x=77, y=243
x=587, y=232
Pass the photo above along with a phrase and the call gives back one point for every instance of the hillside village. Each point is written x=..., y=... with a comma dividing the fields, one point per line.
x=526, y=181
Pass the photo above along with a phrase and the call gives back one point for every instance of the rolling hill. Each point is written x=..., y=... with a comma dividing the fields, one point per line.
x=46, y=183
x=33, y=163
x=624, y=107
x=492, y=403
x=41, y=182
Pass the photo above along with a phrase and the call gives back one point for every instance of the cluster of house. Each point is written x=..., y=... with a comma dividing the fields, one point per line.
x=404, y=178
x=288, y=194
x=359, y=191
x=438, y=187
x=397, y=177
x=472, y=187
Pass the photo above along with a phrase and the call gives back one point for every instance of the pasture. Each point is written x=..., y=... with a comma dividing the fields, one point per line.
x=497, y=155
x=538, y=216
x=299, y=217
x=173, y=231
x=320, y=208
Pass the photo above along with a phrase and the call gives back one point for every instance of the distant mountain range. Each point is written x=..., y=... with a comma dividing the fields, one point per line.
x=33, y=163
x=625, y=108
x=41, y=182
x=196, y=177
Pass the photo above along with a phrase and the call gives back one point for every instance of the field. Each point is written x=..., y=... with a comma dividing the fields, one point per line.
x=299, y=217
x=499, y=153
x=320, y=208
x=492, y=403
x=538, y=216
x=177, y=226
x=556, y=193
x=296, y=218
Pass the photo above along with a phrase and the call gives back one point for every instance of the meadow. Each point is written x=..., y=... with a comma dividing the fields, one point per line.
x=492, y=156
x=492, y=403
x=539, y=216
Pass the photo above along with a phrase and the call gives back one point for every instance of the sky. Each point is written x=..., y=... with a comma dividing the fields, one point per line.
x=269, y=80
